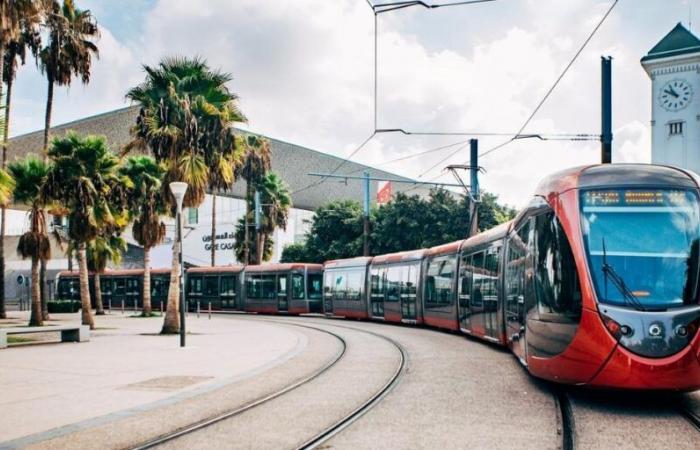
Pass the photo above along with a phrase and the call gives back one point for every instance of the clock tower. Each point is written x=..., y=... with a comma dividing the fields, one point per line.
x=674, y=68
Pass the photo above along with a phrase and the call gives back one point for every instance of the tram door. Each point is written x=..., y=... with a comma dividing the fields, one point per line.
x=409, y=291
x=282, y=293
x=465, y=291
x=476, y=301
x=378, y=291
x=491, y=292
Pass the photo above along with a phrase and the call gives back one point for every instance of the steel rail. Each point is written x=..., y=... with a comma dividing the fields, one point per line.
x=255, y=403
x=567, y=425
x=368, y=405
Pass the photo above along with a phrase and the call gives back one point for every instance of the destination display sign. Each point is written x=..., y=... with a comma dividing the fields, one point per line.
x=636, y=197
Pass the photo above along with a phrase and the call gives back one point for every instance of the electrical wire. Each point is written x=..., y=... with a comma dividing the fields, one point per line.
x=556, y=82
x=342, y=163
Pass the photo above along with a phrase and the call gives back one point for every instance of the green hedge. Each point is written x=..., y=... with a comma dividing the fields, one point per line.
x=63, y=306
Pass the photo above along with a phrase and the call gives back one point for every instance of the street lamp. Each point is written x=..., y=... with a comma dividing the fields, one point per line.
x=178, y=189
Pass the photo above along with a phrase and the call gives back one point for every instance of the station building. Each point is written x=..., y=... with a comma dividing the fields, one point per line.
x=292, y=162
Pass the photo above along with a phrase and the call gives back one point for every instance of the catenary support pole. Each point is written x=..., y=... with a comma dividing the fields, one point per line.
x=606, y=135
x=474, y=183
x=365, y=215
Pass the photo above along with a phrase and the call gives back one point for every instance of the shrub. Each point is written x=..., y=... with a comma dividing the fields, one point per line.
x=63, y=306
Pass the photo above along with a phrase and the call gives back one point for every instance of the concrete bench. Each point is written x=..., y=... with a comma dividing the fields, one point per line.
x=69, y=333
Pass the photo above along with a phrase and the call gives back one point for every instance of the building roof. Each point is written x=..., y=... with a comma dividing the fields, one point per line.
x=679, y=41
x=292, y=162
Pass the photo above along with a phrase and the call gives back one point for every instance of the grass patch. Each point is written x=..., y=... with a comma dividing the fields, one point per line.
x=141, y=316
x=19, y=340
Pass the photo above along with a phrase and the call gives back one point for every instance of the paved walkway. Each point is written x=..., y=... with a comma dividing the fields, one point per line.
x=127, y=368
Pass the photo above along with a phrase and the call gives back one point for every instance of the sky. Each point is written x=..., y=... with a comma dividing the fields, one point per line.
x=304, y=72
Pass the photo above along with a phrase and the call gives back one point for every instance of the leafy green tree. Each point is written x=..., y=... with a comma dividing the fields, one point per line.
x=255, y=166
x=101, y=251
x=30, y=175
x=336, y=231
x=69, y=50
x=146, y=208
x=23, y=37
x=276, y=203
x=185, y=122
x=295, y=252
x=86, y=182
x=406, y=213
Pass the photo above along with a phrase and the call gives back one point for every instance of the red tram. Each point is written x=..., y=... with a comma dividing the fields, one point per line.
x=594, y=283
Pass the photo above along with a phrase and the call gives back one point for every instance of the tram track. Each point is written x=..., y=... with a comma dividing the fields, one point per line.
x=164, y=438
x=330, y=431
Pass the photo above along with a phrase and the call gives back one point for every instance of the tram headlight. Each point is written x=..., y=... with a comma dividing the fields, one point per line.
x=613, y=327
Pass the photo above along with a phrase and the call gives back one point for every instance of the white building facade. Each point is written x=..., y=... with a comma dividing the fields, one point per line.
x=674, y=68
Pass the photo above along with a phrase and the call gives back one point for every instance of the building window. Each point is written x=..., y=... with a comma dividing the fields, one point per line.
x=192, y=216
x=675, y=129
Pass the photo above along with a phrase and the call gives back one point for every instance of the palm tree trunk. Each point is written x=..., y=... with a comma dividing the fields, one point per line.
x=84, y=286
x=99, y=308
x=171, y=323
x=42, y=289
x=47, y=118
x=36, y=319
x=259, y=242
x=246, y=248
x=3, y=314
x=213, y=230
x=147, y=308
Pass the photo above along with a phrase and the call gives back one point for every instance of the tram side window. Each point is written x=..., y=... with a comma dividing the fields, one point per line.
x=253, y=288
x=211, y=286
x=410, y=277
x=328, y=278
x=515, y=270
x=339, y=285
x=378, y=283
x=195, y=285
x=438, y=289
x=394, y=280
x=465, y=280
x=479, y=280
x=297, y=286
x=313, y=285
x=556, y=281
x=354, y=289
x=228, y=285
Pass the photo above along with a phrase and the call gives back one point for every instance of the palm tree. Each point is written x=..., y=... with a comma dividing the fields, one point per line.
x=30, y=176
x=276, y=201
x=146, y=209
x=68, y=53
x=16, y=17
x=185, y=121
x=86, y=182
x=254, y=168
x=100, y=251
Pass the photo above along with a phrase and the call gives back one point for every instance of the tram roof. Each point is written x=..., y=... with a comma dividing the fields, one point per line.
x=115, y=272
x=360, y=261
x=610, y=175
x=490, y=235
x=233, y=268
x=410, y=255
x=444, y=249
x=282, y=267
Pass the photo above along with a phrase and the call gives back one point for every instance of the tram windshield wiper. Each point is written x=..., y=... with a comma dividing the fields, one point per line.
x=610, y=273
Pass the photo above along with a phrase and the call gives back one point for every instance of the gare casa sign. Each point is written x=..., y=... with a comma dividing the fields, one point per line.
x=224, y=241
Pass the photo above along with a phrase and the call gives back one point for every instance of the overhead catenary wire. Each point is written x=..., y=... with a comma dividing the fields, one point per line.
x=556, y=82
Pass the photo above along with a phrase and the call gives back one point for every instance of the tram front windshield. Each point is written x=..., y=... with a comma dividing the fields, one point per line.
x=642, y=246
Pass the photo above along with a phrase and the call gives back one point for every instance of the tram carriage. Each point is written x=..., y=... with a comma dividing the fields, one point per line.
x=284, y=288
x=220, y=287
x=395, y=287
x=117, y=286
x=345, y=287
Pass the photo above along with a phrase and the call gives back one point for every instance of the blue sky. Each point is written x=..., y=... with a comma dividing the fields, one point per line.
x=303, y=70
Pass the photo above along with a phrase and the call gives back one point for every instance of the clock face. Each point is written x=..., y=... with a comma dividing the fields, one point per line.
x=675, y=95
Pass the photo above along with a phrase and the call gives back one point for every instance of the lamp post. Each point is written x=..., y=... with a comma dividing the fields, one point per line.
x=178, y=189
